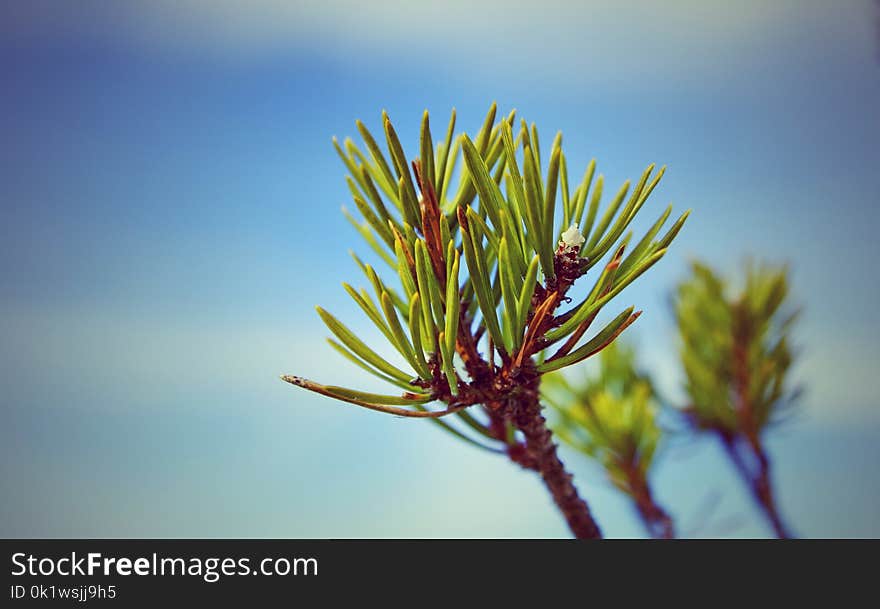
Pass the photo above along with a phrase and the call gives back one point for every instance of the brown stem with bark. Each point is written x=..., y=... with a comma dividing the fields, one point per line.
x=509, y=393
x=527, y=417
x=520, y=406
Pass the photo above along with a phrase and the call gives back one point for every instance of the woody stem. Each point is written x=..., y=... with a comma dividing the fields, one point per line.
x=526, y=416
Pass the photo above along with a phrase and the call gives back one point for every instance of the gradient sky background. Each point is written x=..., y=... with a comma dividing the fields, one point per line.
x=169, y=215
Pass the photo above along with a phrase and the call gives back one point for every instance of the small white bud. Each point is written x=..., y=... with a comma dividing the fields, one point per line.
x=572, y=237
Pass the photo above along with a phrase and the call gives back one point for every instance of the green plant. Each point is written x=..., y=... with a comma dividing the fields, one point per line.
x=611, y=416
x=736, y=354
x=475, y=323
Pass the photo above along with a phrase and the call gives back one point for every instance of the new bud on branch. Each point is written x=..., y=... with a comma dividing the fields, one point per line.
x=478, y=275
x=572, y=238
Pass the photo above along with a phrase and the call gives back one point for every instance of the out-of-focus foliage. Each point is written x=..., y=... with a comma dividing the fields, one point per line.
x=736, y=353
x=735, y=349
x=610, y=416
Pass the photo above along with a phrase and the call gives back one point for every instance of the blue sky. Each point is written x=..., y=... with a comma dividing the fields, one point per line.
x=170, y=215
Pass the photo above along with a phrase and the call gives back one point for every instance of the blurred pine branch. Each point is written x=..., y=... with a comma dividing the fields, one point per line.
x=611, y=416
x=736, y=353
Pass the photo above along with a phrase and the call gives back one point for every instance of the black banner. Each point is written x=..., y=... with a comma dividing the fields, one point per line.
x=125, y=573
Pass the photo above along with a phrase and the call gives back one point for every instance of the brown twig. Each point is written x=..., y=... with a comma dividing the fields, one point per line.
x=756, y=475
x=539, y=443
x=430, y=212
x=509, y=394
x=523, y=407
x=585, y=325
x=757, y=478
x=656, y=520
